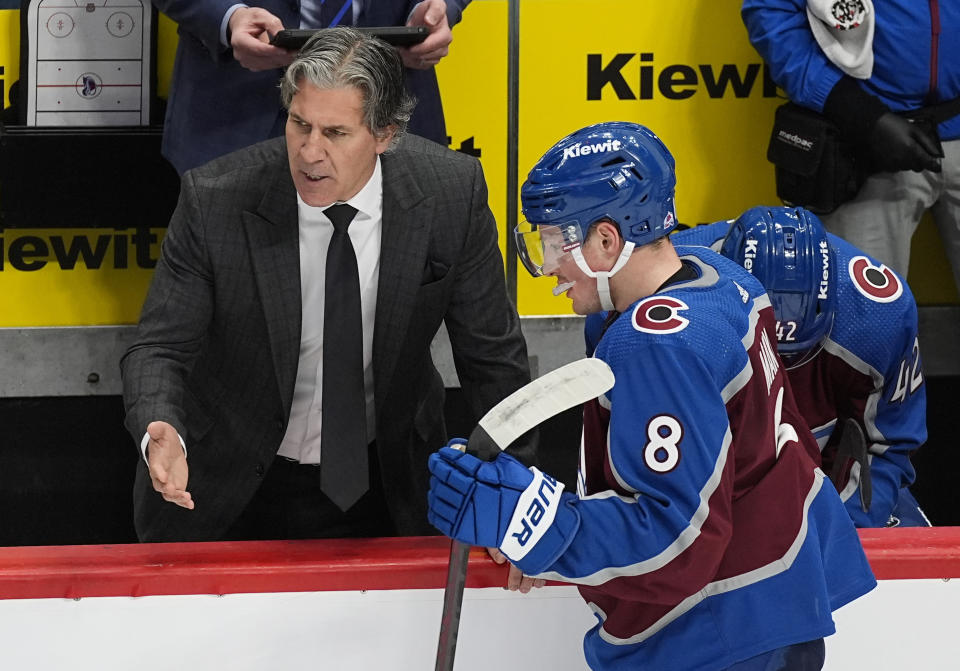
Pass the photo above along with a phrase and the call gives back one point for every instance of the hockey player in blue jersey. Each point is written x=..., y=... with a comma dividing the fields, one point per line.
x=847, y=331
x=702, y=534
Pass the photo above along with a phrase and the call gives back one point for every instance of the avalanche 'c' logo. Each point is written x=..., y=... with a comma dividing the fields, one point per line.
x=878, y=283
x=660, y=314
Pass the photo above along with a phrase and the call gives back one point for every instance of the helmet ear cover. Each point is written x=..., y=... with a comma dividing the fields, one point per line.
x=788, y=251
x=615, y=170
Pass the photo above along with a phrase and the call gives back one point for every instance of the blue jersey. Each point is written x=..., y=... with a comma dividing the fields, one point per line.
x=707, y=533
x=868, y=369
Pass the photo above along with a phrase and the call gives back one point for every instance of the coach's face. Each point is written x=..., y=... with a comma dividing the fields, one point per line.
x=332, y=152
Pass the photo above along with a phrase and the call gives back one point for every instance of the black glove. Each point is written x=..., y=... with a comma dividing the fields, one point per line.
x=897, y=144
x=852, y=447
x=889, y=141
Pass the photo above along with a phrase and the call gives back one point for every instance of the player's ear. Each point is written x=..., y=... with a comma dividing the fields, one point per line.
x=609, y=237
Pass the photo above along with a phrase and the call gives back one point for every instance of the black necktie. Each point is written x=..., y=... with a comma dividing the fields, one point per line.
x=344, y=471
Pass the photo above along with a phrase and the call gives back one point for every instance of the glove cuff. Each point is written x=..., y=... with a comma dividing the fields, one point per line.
x=541, y=527
x=853, y=110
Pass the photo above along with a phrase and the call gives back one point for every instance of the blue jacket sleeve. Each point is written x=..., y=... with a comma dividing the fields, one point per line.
x=780, y=32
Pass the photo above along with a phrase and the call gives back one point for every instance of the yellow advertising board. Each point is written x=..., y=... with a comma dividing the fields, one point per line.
x=75, y=276
x=684, y=69
x=9, y=52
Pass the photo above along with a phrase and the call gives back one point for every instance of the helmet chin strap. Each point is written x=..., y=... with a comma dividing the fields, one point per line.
x=603, y=276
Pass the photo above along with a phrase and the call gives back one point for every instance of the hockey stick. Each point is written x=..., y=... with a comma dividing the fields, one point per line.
x=853, y=446
x=532, y=404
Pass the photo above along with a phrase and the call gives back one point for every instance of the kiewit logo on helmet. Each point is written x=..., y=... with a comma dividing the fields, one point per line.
x=825, y=276
x=749, y=254
x=597, y=148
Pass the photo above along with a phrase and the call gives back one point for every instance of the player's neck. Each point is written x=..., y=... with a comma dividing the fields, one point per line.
x=648, y=268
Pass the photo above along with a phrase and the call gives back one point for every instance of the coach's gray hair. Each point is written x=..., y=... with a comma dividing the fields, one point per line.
x=340, y=57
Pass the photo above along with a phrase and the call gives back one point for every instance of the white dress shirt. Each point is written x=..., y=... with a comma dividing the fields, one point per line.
x=301, y=442
x=302, y=439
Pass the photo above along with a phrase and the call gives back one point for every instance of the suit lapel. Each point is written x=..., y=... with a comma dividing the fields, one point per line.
x=407, y=214
x=273, y=236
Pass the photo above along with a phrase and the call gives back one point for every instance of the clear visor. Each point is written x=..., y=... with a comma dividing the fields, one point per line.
x=543, y=247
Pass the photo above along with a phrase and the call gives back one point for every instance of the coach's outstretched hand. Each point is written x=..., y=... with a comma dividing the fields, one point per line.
x=500, y=504
x=168, y=464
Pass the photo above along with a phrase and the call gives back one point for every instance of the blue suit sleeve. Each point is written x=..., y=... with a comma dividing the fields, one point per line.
x=455, y=11
x=200, y=18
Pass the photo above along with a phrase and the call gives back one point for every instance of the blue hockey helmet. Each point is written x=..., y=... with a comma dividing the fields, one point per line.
x=616, y=170
x=787, y=250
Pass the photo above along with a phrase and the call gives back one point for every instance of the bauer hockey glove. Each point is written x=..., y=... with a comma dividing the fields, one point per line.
x=522, y=511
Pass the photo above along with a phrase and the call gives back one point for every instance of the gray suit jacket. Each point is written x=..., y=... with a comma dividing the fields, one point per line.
x=218, y=342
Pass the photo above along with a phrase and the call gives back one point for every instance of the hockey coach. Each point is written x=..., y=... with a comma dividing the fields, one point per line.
x=281, y=384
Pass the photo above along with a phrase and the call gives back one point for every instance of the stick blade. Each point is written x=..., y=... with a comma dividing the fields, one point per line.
x=560, y=389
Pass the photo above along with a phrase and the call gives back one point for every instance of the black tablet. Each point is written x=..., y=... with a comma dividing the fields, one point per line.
x=398, y=36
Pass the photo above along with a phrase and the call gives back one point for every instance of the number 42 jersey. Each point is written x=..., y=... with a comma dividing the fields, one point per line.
x=707, y=533
x=868, y=370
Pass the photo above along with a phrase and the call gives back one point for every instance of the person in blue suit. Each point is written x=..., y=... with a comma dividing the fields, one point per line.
x=224, y=94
